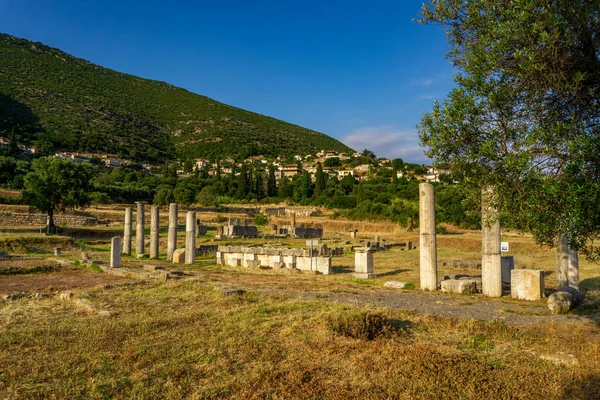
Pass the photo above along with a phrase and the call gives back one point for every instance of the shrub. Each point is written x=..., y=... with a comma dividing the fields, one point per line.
x=359, y=325
x=261, y=220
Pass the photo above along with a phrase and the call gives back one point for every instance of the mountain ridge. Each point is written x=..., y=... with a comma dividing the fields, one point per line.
x=53, y=98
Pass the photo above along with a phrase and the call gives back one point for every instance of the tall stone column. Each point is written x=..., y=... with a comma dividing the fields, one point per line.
x=562, y=261
x=154, y=231
x=139, y=232
x=115, y=252
x=491, y=262
x=573, y=272
x=428, y=245
x=127, y=232
x=172, y=235
x=190, y=237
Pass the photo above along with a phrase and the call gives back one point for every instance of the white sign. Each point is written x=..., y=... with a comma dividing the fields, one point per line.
x=312, y=242
x=504, y=247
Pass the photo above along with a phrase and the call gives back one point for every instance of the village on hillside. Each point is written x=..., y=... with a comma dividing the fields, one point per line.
x=336, y=165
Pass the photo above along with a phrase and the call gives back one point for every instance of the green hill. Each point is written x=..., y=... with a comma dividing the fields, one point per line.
x=50, y=97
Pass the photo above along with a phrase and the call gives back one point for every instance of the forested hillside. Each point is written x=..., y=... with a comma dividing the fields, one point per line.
x=59, y=101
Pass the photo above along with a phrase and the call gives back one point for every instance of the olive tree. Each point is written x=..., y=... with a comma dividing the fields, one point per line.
x=524, y=115
x=56, y=184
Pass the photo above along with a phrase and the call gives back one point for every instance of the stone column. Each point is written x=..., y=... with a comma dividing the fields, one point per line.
x=127, y=233
x=115, y=251
x=190, y=237
x=293, y=220
x=154, y=231
x=427, y=242
x=573, y=273
x=139, y=232
x=491, y=262
x=562, y=261
x=172, y=235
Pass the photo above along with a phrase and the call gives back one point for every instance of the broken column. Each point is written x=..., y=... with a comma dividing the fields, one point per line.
x=363, y=263
x=190, y=237
x=154, y=231
x=428, y=250
x=115, y=252
x=127, y=232
x=491, y=261
x=139, y=232
x=172, y=234
x=562, y=261
x=573, y=271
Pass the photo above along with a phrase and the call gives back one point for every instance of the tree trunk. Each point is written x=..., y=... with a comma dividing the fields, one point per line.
x=51, y=228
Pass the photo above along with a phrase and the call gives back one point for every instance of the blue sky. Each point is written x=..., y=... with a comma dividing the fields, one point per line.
x=359, y=71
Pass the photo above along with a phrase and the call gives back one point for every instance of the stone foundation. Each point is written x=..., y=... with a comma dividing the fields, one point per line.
x=272, y=258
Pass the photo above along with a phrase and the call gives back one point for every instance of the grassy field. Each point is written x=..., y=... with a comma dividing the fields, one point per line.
x=132, y=338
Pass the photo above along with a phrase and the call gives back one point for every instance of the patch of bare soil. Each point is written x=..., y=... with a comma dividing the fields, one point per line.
x=48, y=282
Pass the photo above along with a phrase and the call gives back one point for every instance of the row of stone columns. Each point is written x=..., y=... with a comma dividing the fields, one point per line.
x=190, y=243
x=567, y=259
x=491, y=265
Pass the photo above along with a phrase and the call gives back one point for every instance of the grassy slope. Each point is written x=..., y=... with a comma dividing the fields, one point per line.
x=87, y=107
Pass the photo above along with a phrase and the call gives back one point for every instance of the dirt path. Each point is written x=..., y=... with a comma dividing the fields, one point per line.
x=505, y=309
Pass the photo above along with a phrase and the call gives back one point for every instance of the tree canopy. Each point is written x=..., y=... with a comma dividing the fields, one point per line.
x=57, y=184
x=524, y=116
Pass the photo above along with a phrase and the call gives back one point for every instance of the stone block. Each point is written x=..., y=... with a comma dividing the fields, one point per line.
x=395, y=284
x=460, y=286
x=234, y=262
x=507, y=264
x=527, y=284
x=179, y=256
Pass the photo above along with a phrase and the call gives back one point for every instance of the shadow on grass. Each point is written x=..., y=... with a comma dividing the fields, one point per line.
x=342, y=269
x=590, y=305
x=395, y=272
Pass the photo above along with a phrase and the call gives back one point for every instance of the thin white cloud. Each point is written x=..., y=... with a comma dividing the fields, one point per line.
x=387, y=141
x=427, y=96
x=424, y=82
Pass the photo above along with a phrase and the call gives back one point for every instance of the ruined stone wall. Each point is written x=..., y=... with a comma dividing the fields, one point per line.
x=18, y=219
x=240, y=256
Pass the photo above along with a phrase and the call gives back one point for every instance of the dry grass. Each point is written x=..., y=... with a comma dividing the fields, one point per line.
x=186, y=340
x=183, y=339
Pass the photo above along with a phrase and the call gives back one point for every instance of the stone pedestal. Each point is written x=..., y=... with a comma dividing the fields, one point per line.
x=427, y=238
x=354, y=234
x=127, y=231
x=139, y=232
x=115, y=252
x=491, y=261
x=562, y=262
x=527, y=284
x=57, y=251
x=172, y=234
x=363, y=264
x=154, y=231
x=190, y=237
